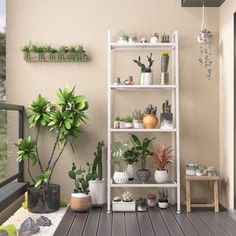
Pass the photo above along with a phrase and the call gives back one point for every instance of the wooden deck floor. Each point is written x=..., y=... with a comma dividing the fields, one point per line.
x=151, y=223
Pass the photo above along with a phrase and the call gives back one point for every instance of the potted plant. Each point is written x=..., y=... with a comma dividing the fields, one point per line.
x=142, y=152
x=128, y=122
x=151, y=200
x=117, y=152
x=64, y=118
x=117, y=122
x=122, y=123
x=150, y=119
x=166, y=116
x=154, y=37
x=146, y=71
x=162, y=158
x=97, y=186
x=137, y=119
x=164, y=68
x=80, y=198
x=163, y=199
x=142, y=204
x=122, y=37
x=127, y=203
x=131, y=157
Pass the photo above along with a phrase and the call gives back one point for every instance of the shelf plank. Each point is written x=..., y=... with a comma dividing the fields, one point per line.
x=142, y=87
x=143, y=130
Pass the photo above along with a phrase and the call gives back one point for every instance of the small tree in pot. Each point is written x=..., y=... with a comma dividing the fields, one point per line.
x=63, y=117
x=146, y=71
x=142, y=152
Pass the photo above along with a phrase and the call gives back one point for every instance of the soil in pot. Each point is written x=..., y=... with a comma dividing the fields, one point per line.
x=45, y=199
x=143, y=175
x=80, y=202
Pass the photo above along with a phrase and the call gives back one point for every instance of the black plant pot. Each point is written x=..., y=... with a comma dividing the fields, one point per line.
x=45, y=199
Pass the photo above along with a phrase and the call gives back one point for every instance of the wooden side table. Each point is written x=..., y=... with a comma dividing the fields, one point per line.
x=215, y=180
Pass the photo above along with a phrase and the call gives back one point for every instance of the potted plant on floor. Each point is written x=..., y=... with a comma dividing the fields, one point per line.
x=150, y=119
x=117, y=152
x=97, y=186
x=151, y=200
x=142, y=152
x=64, y=118
x=162, y=158
x=163, y=199
x=80, y=198
x=130, y=157
x=142, y=204
x=137, y=119
x=146, y=71
x=166, y=116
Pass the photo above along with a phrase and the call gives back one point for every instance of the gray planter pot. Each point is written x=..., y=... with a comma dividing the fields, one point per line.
x=143, y=175
x=166, y=120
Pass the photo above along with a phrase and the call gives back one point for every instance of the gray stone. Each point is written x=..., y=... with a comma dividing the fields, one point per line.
x=43, y=221
x=3, y=232
x=28, y=227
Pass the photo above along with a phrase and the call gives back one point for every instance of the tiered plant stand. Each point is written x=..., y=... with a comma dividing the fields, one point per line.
x=174, y=88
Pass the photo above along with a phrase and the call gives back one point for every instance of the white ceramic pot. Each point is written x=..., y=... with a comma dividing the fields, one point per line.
x=153, y=39
x=146, y=78
x=122, y=125
x=163, y=205
x=151, y=202
x=128, y=125
x=97, y=190
x=137, y=124
x=130, y=171
x=161, y=176
x=120, y=177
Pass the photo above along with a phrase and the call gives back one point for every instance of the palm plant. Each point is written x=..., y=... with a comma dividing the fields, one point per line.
x=162, y=156
x=63, y=117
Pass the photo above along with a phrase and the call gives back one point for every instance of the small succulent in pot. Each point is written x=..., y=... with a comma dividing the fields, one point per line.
x=141, y=204
x=165, y=38
x=127, y=197
x=150, y=119
x=163, y=199
x=162, y=158
x=117, y=122
x=154, y=37
x=166, y=116
x=138, y=119
x=152, y=199
x=128, y=122
x=146, y=71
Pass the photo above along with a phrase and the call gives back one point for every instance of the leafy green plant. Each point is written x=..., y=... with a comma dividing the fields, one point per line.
x=64, y=118
x=131, y=155
x=141, y=149
x=143, y=67
x=128, y=119
x=117, y=152
x=81, y=178
x=142, y=202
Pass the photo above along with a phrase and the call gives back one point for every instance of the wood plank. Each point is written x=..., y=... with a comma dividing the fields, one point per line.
x=184, y=222
x=93, y=219
x=118, y=224
x=200, y=178
x=216, y=196
x=131, y=223
x=212, y=225
x=145, y=224
x=105, y=224
x=158, y=224
x=188, y=196
x=78, y=224
x=227, y=224
x=66, y=222
x=171, y=223
x=201, y=205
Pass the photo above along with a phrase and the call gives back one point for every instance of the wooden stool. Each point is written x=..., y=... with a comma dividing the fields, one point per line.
x=215, y=180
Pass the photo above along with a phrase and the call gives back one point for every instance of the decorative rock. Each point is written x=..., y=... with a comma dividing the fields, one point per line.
x=43, y=221
x=3, y=233
x=28, y=227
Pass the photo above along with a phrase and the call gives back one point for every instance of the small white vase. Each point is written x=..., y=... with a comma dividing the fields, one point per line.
x=128, y=125
x=153, y=39
x=120, y=177
x=137, y=124
x=146, y=78
x=163, y=205
x=130, y=171
x=161, y=176
x=97, y=189
x=122, y=125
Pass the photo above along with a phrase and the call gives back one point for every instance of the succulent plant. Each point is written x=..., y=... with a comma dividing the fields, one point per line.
x=128, y=119
x=138, y=115
x=166, y=107
x=151, y=109
x=142, y=201
x=151, y=196
x=163, y=195
x=165, y=38
x=127, y=197
x=164, y=61
x=144, y=68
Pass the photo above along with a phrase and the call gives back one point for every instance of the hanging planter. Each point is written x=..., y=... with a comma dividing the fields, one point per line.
x=205, y=40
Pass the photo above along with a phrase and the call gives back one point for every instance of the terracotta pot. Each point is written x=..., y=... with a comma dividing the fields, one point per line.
x=150, y=121
x=80, y=202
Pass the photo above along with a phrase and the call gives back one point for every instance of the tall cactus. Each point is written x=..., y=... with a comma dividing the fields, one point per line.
x=164, y=62
x=97, y=162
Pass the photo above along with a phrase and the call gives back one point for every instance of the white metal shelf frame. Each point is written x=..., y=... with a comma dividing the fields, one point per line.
x=173, y=46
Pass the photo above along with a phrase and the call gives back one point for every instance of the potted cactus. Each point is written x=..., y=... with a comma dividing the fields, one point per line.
x=164, y=68
x=162, y=158
x=137, y=119
x=163, y=199
x=97, y=186
x=150, y=119
x=146, y=71
x=166, y=116
x=80, y=198
x=142, y=204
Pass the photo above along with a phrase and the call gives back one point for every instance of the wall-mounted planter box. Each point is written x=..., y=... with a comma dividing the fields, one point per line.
x=123, y=206
x=55, y=57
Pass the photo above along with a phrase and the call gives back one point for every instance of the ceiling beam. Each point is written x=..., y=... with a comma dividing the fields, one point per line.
x=199, y=3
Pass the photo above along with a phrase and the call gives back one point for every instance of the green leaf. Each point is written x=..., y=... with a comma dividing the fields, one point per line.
x=72, y=174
